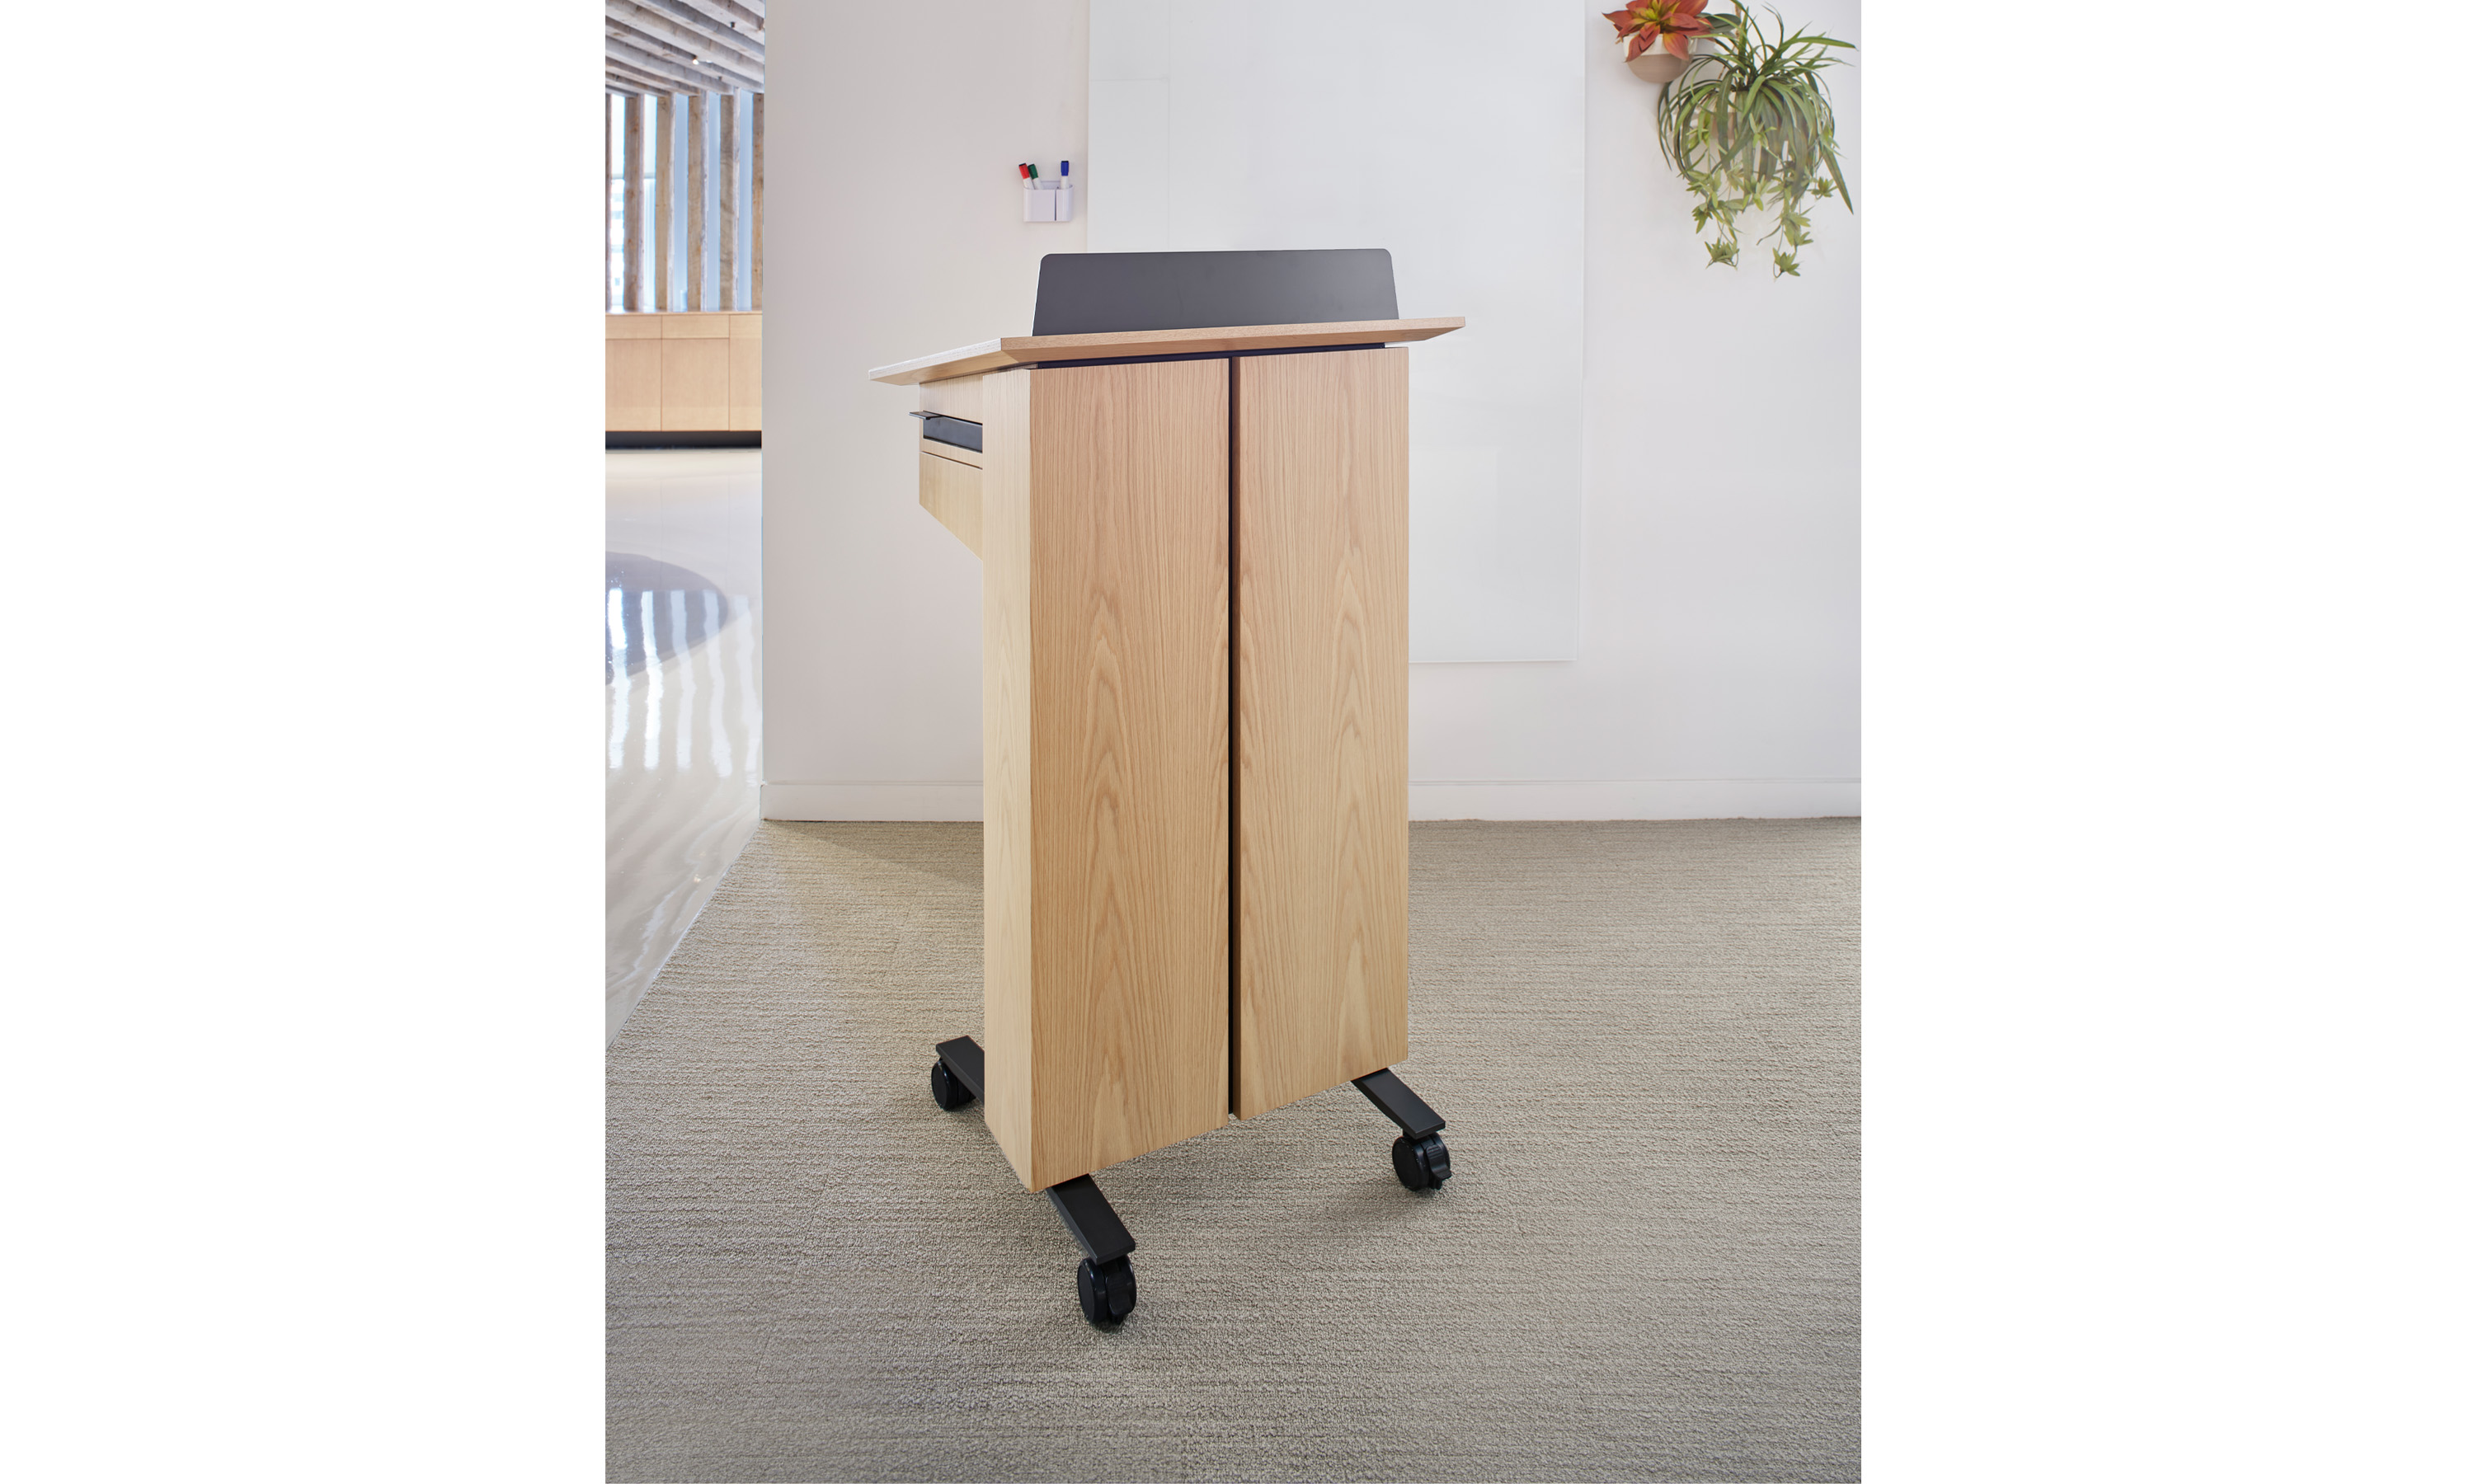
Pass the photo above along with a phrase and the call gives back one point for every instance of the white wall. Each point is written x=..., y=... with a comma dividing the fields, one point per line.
x=1718, y=662
x=894, y=228
x=1717, y=669
x=1460, y=143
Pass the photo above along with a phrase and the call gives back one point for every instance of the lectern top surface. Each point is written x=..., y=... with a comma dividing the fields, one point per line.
x=990, y=355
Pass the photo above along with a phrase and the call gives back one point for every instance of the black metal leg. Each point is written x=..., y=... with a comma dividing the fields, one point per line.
x=1090, y=1218
x=1105, y=1280
x=1105, y=1283
x=961, y=1057
x=1417, y=1156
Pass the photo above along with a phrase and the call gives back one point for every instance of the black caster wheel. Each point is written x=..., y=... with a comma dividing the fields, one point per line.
x=1421, y=1163
x=1106, y=1291
x=947, y=1089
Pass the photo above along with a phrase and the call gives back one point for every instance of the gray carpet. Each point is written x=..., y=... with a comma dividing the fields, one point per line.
x=1644, y=1035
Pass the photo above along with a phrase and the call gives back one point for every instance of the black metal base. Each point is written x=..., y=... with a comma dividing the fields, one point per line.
x=1105, y=1283
x=1417, y=1156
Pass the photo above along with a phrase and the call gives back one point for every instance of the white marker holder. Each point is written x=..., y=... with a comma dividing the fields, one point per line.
x=1048, y=200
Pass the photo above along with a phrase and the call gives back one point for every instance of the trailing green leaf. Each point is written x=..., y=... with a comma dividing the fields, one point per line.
x=1748, y=126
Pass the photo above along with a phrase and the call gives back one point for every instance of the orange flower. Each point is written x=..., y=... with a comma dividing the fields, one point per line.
x=1648, y=22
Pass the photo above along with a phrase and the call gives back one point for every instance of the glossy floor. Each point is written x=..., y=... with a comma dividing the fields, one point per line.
x=681, y=609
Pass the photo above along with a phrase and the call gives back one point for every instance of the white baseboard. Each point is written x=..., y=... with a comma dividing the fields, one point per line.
x=1625, y=799
x=1635, y=798
x=872, y=800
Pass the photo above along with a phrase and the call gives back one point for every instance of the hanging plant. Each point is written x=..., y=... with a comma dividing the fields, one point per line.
x=1747, y=123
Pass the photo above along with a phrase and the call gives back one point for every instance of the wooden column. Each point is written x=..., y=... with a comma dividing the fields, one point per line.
x=756, y=210
x=632, y=257
x=666, y=177
x=698, y=141
x=729, y=202
x=1104, y=534
x=1320, y=490
x=609, y=124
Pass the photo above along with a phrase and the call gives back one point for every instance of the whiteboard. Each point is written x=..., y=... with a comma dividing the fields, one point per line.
x=1451, y=132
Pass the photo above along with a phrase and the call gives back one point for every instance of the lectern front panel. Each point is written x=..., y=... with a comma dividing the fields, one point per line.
x=1320, y=487
x=1104, y=527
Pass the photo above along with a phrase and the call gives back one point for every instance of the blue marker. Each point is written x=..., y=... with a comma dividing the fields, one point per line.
x=1064, y=168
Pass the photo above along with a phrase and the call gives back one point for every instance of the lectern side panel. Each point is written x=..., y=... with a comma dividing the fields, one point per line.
x=950, y=491
x=1321, y=494
x=1003, y=516
x=1128, y=771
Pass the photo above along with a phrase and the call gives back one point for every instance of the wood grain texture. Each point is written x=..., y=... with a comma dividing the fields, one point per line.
x=695, y=383
x=950, y=491
x=974, y=456
x=699, y=141
x=699, y=51
x=665, y=180
x=1026, y=349
x=609, y=172
x=957, y=398
x=1322, y=604
x=1007, y=986
x=755, y=201
x=746, y=378
x=1105, y=528
x=727, y=161
x=718, y=385
x=631, y=196
x=632, y=384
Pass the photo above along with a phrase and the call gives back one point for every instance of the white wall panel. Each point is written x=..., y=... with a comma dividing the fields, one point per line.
x=1455, y=136
x=1716, y=419
x=894, y=229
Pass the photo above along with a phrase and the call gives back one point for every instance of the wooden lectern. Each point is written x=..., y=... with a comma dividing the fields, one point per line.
x=1194, y=537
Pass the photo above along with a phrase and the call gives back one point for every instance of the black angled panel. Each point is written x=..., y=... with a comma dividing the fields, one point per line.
x=1095, y=293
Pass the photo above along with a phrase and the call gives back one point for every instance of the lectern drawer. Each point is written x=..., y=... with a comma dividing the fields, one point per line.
x=959, y=431
x=950, y=491
x=951, y=437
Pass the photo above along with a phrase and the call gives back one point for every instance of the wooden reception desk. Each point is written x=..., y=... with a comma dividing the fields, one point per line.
x=695, y=373
x=1196, y=709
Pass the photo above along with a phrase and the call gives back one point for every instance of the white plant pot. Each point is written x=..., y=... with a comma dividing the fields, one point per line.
x=1657, y=65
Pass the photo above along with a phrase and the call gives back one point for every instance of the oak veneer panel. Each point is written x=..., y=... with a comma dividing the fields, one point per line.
x=1006, y=725
x=1321, y=515
x=1030, y=349
x=950, y=491
x=632, y=326
x=747, y=376
x=1105, y=530
x=956, y=398
x=697, y=327
x=632, y=383
x=695, y=383
x=952, y=451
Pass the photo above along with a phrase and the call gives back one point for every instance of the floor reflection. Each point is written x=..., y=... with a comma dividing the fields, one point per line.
x=680, y=613
x=637, y=591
